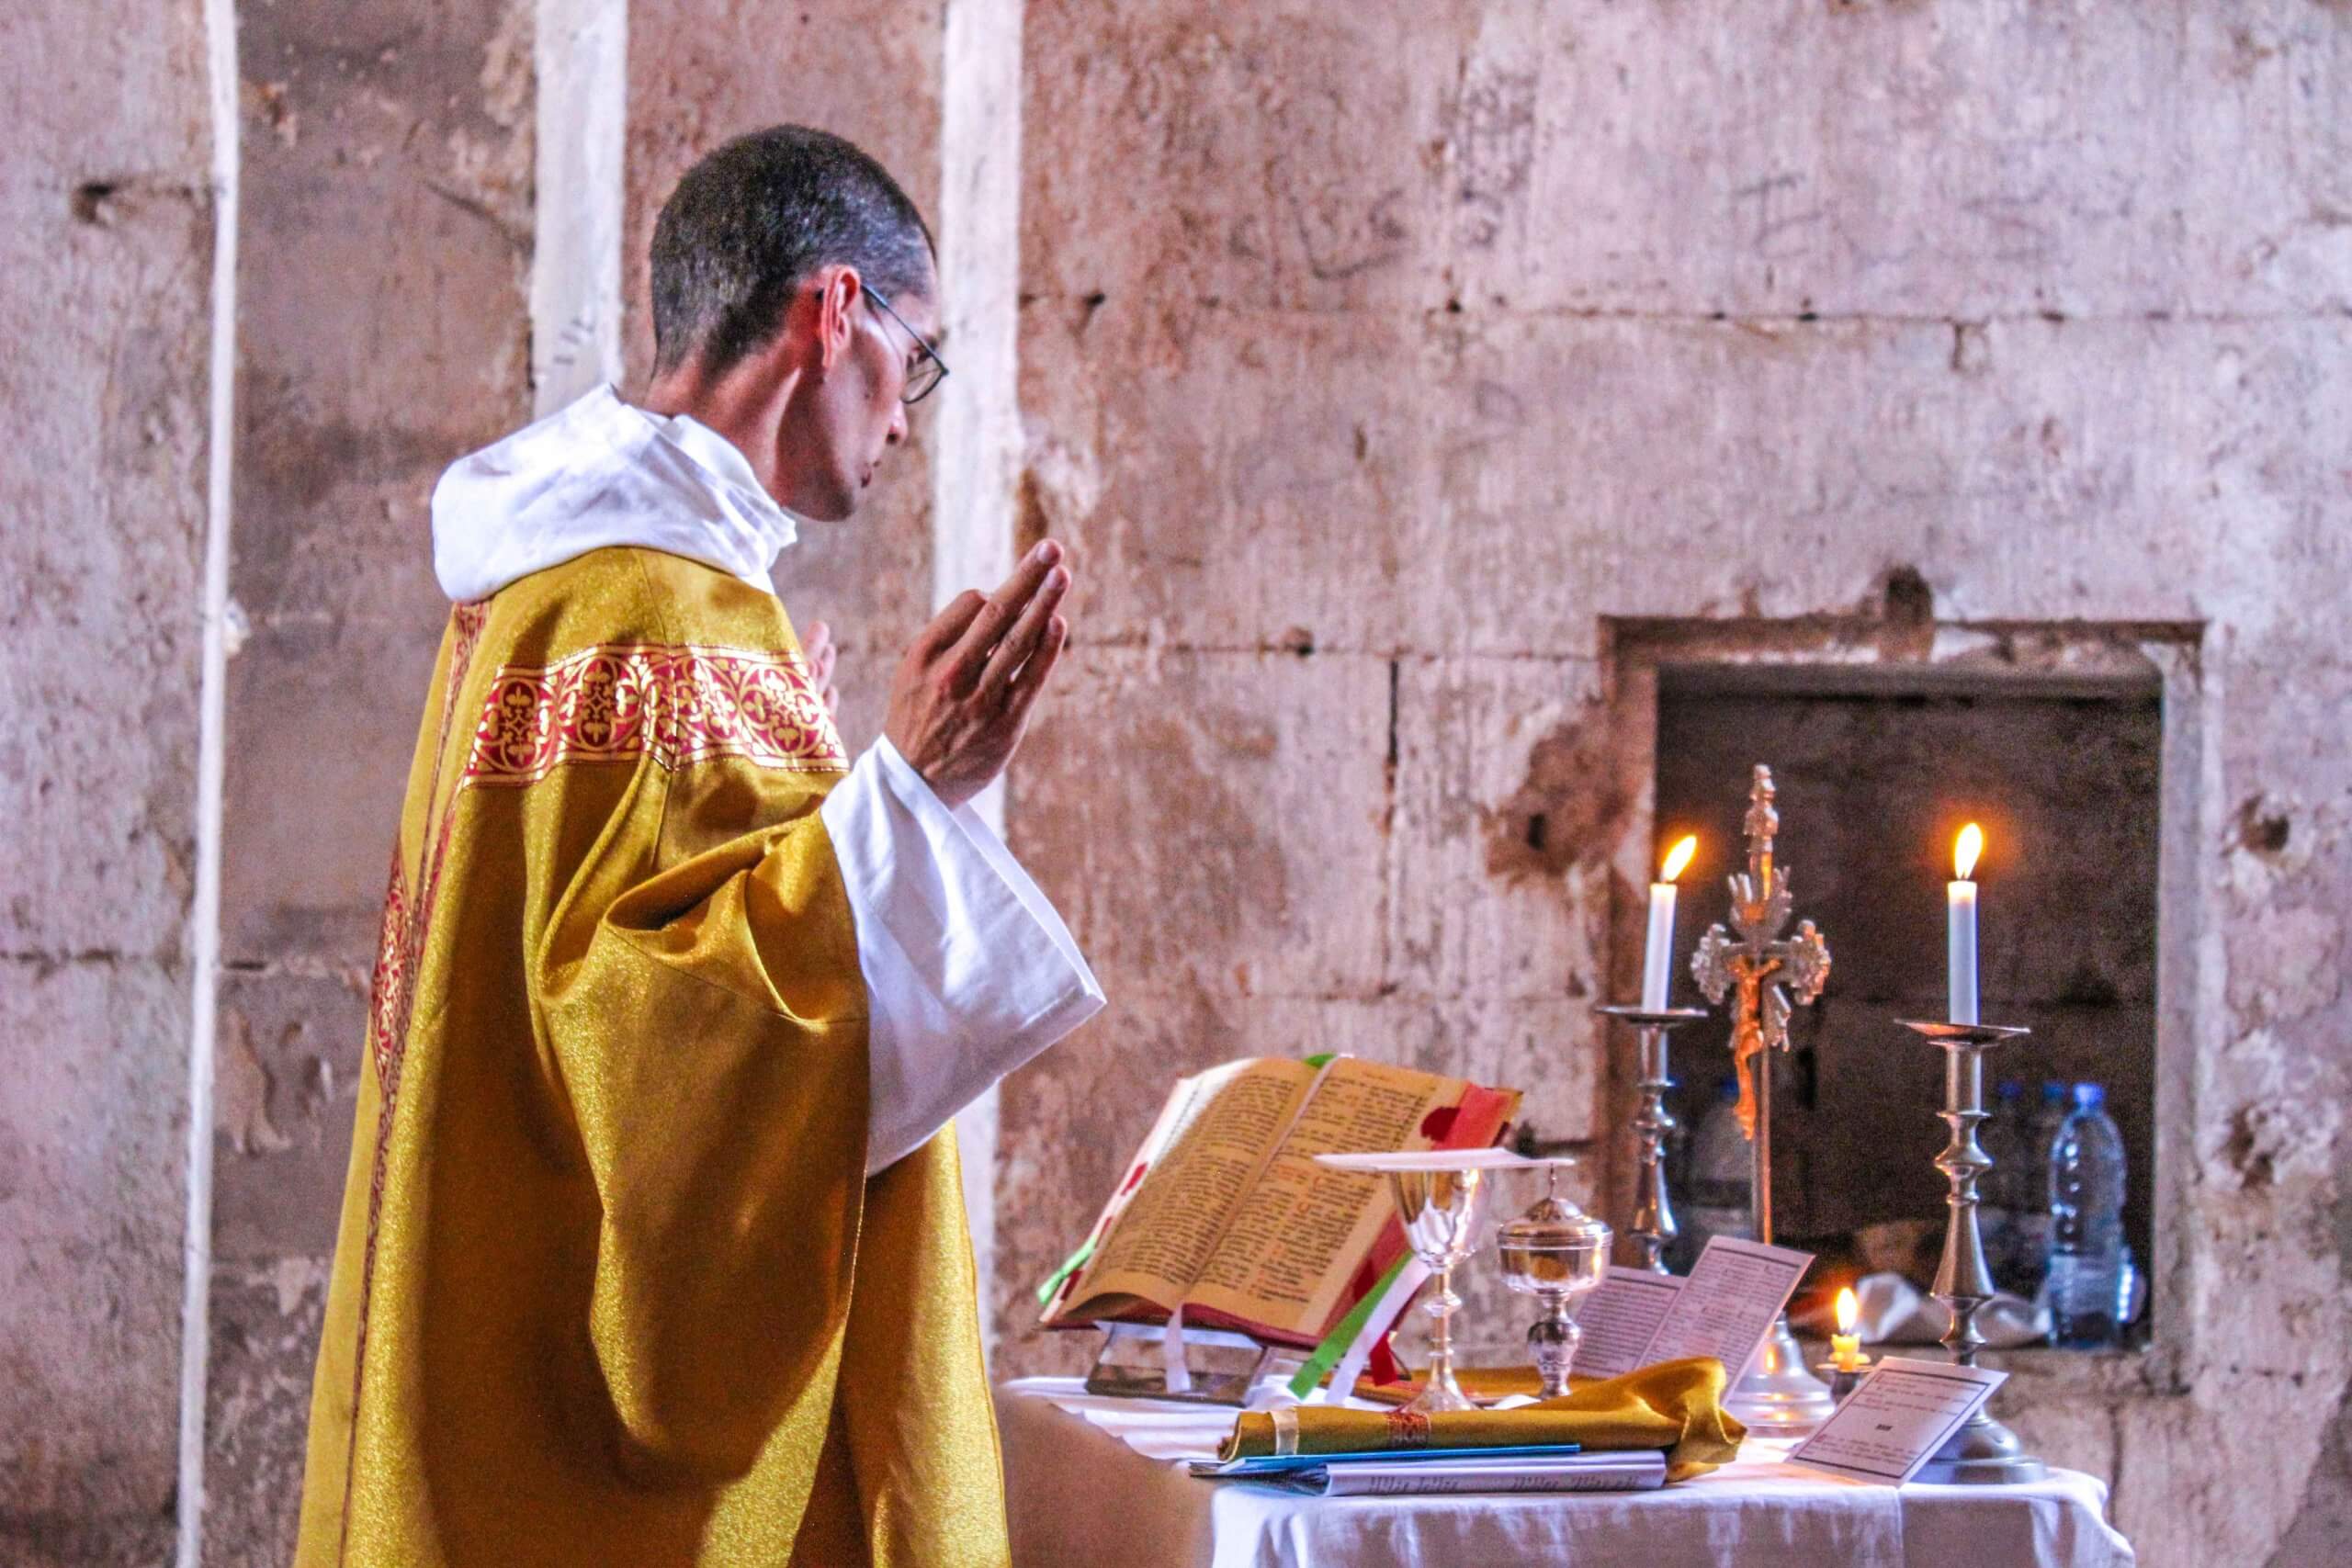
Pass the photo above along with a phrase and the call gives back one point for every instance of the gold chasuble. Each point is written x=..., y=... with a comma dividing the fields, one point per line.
x=612, y=1284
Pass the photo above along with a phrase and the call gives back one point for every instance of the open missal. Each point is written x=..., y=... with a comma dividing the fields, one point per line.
x=1224, y=1212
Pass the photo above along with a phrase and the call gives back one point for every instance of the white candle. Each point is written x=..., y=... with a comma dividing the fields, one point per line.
x=1846, y=1345
x=1959, y=905
x=1657, y=955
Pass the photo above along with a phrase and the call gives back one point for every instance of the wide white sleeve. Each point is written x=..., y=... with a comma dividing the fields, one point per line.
x=968, y=971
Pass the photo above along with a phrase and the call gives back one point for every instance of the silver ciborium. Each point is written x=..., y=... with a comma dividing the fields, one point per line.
x=1441, y=1197
x=1556, y=1253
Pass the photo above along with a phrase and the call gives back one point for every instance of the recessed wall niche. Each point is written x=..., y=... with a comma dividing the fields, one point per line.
x=1878, y=766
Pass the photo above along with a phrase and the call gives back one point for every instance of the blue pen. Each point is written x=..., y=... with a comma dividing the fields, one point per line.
x=1278, y=1464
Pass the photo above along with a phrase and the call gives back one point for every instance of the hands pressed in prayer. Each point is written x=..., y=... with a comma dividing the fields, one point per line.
x=960, y=700
x=821, y=654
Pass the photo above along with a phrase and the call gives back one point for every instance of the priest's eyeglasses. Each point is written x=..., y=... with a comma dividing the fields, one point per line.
x=929, y=370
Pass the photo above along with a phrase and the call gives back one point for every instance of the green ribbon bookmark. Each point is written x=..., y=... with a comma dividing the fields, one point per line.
x=1336, y=1343
x=1076, y=1261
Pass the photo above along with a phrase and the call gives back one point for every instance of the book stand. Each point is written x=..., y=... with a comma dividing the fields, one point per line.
x=1203, y=1366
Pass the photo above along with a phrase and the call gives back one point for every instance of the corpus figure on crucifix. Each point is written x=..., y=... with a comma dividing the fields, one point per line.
x=1762, y=967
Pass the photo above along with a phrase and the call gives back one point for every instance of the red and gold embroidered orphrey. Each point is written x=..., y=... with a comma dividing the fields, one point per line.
x=679, y=703
x=391, y=995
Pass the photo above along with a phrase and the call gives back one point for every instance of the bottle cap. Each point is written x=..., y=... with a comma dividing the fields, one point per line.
x=2054, y=1092
x=1727, y=1091
x=2089, y=1097
x=2009, y=1088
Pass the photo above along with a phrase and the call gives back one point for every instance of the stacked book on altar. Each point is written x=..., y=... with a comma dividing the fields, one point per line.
x=1224, y=1213
x=1433, y=1472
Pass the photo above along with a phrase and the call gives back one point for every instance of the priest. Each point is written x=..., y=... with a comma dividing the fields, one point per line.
x=653, y=1249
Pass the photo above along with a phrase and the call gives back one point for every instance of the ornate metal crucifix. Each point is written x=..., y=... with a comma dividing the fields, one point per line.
x=1762, y=968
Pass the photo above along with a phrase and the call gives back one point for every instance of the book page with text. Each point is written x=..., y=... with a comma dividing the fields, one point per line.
x=1160, y=1243
x=1183, y=1103
x=1285, y=1258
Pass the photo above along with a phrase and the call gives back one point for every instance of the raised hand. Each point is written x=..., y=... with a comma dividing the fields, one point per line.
x=819, y=650
x=960, y=700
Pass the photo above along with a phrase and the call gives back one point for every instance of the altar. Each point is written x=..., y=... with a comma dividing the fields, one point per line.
x=1092, y=1479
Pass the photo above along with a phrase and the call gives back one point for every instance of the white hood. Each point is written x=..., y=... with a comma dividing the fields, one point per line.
x=597, y=474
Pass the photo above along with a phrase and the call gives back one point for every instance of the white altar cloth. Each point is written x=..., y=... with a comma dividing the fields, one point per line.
x=1096, y=1481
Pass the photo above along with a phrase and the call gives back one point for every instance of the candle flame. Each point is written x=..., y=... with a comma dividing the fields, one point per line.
x=1846, y=1309
x=1678, y=858
x=1964, y=851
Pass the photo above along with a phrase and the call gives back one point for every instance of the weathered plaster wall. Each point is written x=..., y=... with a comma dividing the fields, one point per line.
x=1377, y=363
x=703, y=71
x=105, y=247
x=384, y=330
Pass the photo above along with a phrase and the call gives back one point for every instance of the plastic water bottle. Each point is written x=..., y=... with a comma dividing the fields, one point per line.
x=2091, y=1269
x=1719, y=1170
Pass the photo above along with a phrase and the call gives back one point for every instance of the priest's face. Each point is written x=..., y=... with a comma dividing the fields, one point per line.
x=858, y=411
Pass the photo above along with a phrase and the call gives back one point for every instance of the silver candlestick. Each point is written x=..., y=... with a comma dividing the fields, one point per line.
x=1653, y=1229
x=1758, y=968
x=1983, y=1451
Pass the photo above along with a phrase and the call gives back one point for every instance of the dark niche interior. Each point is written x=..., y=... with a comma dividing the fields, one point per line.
x=1877, y=772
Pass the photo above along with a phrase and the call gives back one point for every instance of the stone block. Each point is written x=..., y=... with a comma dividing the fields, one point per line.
x=265, y=1321
x=2323, y=1521
x=1511, y=799
x=94, y=102
x=1204, y=156
x=1261, y=485
x=1646, y=160
x=2183, y=1495
x=2078, y=1433
x=324, y=719
x=108, y=272
x=288, y=1058
x=1808, y=463
x=92, y=1130
x=69, y=1541
x=2078, y=159
x=386, y=191
x=1213, y=819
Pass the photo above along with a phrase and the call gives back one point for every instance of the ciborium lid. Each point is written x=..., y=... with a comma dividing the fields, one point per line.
x=1552, y=1223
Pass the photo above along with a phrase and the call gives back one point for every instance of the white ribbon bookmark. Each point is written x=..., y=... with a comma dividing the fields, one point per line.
x=1384, y=1316
x=1175, y=1376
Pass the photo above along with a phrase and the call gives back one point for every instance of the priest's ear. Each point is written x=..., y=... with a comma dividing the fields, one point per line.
x=834, y=293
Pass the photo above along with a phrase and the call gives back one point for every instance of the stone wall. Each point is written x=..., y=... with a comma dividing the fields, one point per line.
x=106, y=256
x=1384, y=366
